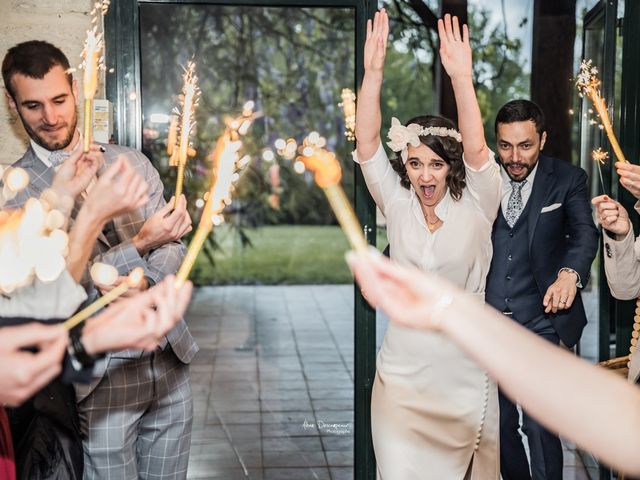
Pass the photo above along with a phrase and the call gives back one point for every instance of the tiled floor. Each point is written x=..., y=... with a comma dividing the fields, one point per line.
x=273, y=384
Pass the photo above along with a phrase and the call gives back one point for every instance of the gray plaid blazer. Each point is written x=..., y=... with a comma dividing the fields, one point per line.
x=114, y=245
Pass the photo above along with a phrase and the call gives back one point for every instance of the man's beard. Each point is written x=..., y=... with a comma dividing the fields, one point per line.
x=527, y=169
x=59, y=145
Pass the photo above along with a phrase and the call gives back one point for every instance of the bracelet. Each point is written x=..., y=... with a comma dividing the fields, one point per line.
x=77, y=347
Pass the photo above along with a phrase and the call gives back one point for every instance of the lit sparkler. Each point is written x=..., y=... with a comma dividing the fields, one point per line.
x=189, y=99
x=348, y=105
x=135, y=277
x=600, y=157
x=327, y=174
x=226, y=163
x=32, y=242
x=92, y=61
x=588, y=84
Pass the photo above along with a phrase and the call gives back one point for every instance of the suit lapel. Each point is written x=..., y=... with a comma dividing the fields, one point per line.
x=40, y=176
x=542, y=185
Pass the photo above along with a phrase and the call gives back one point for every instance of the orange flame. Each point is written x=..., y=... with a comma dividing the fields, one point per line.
x=324, y=164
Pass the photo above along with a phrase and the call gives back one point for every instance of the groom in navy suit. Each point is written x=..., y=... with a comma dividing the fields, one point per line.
x=544, y=241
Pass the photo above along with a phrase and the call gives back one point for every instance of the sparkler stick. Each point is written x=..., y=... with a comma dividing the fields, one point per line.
x=348, y=105
x=225, y=164
x=600, y=156
x=92, y=61
x=91, y=55
x=190, y=93
x=588, y=84
x=134, y=278
x=328, y=173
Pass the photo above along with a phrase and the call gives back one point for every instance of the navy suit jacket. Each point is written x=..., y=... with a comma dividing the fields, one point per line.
x=563, y=235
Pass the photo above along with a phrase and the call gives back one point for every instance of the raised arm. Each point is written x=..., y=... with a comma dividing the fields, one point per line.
x=455, y=55
x=554, y=386
x=368, y=115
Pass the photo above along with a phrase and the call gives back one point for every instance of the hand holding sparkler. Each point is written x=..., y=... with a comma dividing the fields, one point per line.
x=611, y=215
x=139, y=322
x=629, y=177
x=77, y=171
x=169, y=224
x=134, y=278
x=588, y=84
x=327, y=174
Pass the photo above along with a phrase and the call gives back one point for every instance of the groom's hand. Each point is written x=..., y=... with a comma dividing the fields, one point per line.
x=561, y=293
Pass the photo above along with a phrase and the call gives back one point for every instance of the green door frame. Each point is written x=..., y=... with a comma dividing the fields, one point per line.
x=630, y=143
x=618, y=312
x=122, y=32
x=605, y=12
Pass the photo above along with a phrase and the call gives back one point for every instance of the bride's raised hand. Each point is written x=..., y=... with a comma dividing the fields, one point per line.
x=455, y=50
x=375, y=45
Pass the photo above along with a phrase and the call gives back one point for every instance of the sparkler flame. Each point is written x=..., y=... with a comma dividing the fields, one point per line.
x=226, y=162
x=189, y=100
x=600, y=156
x=31, y=244
x=327, y=174
x=92, y=62
x=588, y=85
x=90, y=65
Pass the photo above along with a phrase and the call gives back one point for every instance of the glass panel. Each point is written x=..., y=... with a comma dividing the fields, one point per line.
x=273, y=382
x=590, y=139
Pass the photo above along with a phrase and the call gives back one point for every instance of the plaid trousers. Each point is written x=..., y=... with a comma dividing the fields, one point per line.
x=137, y=423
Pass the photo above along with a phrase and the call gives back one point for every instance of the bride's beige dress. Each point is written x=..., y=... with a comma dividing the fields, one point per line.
x=434, y=412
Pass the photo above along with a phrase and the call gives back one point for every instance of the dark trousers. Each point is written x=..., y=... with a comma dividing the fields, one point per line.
x=544, y=447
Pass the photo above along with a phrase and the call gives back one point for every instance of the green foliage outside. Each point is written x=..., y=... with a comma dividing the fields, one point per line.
x=314, y=254
x=293, y=63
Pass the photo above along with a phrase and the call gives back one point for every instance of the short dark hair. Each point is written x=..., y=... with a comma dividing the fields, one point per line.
x=33, y=59
x=447, y=148
x=521, y=111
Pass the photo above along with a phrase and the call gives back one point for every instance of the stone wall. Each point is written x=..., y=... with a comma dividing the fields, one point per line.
x=61, y=22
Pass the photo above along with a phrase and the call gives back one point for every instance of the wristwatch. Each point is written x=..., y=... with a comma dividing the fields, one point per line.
x=77, y=353
x=571, y=270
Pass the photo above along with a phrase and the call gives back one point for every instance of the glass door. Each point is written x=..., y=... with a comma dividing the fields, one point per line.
x=283, y=381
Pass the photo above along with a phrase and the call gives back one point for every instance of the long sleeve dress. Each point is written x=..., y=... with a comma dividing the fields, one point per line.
x=434, y=411
x=622, y=268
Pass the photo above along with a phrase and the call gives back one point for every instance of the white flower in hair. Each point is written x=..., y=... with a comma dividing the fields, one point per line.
x=401, y=136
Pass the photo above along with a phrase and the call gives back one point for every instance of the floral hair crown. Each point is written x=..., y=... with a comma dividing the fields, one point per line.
x=400, y=137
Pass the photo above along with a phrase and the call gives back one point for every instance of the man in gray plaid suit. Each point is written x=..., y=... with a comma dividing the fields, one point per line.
x=137, y=411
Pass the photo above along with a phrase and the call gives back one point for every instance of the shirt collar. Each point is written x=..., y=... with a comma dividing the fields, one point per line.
x=441, y=210
x=43, y=154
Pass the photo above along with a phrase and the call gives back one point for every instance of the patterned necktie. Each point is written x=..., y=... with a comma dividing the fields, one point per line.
x=58, y=157
x=514, y=205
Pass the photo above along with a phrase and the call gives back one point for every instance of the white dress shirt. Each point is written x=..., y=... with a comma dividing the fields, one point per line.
x=507, y=189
